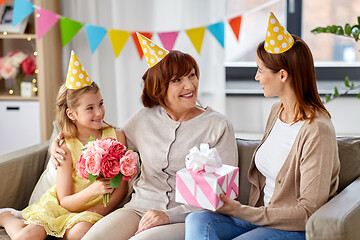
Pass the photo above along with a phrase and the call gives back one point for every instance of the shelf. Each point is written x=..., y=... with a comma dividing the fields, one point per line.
x=18, y=98
x=17, y=36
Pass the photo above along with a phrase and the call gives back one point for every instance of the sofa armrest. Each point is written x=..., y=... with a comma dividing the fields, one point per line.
x=339, y=218
x=19, y=171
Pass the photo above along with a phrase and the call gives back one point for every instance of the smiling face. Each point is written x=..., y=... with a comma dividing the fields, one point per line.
x=271, y=82
x=89, y=112
x=182, y=92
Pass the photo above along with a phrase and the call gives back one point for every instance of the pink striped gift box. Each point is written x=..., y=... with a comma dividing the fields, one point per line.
x=202, y=189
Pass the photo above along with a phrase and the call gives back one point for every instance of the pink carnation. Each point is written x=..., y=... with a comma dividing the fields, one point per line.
x=28, y=66
x=128, y=165
x=93, y=163
x=81, y=168
x=110, y=166
x=117, y=150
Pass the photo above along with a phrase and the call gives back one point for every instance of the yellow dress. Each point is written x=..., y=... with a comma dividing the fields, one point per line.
x=48, y=213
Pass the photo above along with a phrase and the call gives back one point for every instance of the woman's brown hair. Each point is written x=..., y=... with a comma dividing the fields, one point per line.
x=299, y=64
x=156, y=79
x=68, y=98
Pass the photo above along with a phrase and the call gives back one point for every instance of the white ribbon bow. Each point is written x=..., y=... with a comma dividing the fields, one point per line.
x=204, y=159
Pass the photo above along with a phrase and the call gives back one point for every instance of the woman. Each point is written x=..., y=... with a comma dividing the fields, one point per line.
x=163, y=132
x=294, y=171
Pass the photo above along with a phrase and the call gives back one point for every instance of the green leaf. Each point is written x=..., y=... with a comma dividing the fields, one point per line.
x=92, y=177
x=359, y=20
x=358, y=96
x=318, y=30
x=347, y=82
x=336, y=92
x=339, y=30
x=355, y=31
x=327, y=97
x=90, y=139
x=115, y=181
x=348, y=29
x=352, y=85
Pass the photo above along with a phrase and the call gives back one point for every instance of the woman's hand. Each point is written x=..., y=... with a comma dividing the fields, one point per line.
x=57, y=152
x=153, y=218
x=230, y=206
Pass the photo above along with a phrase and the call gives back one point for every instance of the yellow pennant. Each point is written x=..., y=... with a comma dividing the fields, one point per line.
x=196, y=36
x=118, y=40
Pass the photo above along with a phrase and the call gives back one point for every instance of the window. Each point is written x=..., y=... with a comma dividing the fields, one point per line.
x=335, y=56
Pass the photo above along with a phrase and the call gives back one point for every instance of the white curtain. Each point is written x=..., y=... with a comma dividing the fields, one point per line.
x=120, y=78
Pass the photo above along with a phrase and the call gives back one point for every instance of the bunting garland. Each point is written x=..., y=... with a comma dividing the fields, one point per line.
x=235, y=26
x=69, y=28
x=46, y=19
x=118, y=39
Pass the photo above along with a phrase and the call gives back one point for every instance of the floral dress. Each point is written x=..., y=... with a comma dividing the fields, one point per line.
x=47, y=211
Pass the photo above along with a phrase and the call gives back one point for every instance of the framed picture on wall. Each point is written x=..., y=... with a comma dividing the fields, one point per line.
x=6, y=16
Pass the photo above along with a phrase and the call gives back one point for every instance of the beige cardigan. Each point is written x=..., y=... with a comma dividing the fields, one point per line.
x=163, y=144
x=306, y=181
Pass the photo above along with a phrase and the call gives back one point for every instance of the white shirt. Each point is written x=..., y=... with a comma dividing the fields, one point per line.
x=273, y=152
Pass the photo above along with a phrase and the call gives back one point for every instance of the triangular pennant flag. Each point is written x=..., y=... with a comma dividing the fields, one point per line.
x=235, y=24
x=69, y=29
x=168, y=39
x=217, y=30
x=45, y=19
x=22, y=9
x=3, y=1
x=196, y=36
x=118, y=39
x=137, y=44
x=95, y=35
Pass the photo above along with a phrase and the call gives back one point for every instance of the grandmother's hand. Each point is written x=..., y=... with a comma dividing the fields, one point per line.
x=230, y=206
x=152, y=218
x=57, y=153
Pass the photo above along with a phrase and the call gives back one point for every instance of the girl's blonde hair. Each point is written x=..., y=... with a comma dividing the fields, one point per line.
x=68, y=98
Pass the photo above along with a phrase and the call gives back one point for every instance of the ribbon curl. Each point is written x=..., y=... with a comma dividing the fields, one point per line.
x=203, y=160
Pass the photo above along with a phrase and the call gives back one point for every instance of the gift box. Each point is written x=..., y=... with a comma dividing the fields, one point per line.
x=202, y=188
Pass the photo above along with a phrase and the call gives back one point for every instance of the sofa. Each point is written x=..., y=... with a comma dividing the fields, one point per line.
x=337, y=219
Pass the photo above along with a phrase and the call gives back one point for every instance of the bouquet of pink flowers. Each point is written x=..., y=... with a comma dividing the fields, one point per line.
x=16, y=63
x=106, y=158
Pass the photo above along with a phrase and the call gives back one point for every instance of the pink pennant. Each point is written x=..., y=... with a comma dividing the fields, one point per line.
x=45, y=19
x=168, y=39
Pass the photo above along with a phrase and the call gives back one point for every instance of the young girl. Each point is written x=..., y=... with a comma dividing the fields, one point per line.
x=70, y=208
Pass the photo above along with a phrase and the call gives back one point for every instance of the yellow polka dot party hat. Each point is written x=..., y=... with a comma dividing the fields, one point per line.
x=152, y=52
x=77, y=76
x=278, y=39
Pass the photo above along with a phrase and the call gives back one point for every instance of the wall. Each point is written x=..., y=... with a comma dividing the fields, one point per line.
x=249, y=113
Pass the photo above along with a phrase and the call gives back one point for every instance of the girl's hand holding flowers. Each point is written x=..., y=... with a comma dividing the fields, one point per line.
x=106, y=158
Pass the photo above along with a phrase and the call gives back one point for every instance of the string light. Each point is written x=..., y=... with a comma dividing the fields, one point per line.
x=36, y=71
x=34, y=80
x=35, y=53
x=35, y=89
x=38, y=15
x=5, y=33
x=11, y=91
x=29, y=39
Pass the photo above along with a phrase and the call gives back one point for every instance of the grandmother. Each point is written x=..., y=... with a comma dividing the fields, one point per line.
x=162, y=132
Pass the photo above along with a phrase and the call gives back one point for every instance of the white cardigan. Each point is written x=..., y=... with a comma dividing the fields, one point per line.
x=163, y=144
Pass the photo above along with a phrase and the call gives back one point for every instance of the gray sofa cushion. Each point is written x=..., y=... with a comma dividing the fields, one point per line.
x=349, y=154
